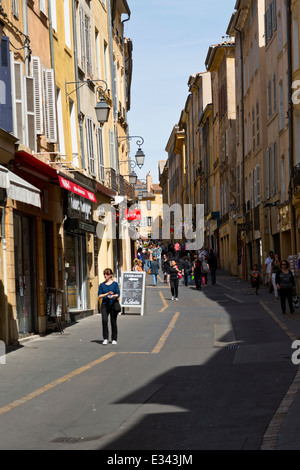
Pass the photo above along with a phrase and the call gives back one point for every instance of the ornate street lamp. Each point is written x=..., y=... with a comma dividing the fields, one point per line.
x=102, y=108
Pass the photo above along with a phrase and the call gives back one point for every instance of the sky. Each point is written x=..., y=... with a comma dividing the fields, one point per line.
x=170, y=40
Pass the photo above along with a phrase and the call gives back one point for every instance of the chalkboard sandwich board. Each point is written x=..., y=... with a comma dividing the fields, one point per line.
x=133, y=289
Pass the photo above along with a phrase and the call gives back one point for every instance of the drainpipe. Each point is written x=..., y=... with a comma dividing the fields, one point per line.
x=80, y=118
x=291, y=122
x=25, y=28
x=4, y=268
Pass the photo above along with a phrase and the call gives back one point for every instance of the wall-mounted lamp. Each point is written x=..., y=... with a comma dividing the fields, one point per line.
x=102, y=108
x=139, y=156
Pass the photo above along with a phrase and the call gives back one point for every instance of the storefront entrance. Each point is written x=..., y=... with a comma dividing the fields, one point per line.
x=76, y=271
x=24, y=273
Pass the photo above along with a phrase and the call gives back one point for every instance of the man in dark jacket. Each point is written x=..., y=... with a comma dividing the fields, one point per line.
x=213, y=264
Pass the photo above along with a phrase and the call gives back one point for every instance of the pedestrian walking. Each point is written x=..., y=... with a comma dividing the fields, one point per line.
x=197, y=272
x=187, y=267
x=255, y=278
x=137, y=265
x=173, y=279
x=285, y=283
x=205, y=270
x=213, y=264
x=267, y=270
x=154, y=267
x=275, y=267
x=109, y=292
x=165, y=264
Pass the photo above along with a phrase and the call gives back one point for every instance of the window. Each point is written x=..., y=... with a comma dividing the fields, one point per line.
x=60, y=125
x=257, y=185
x=253, y=129
x=15, y=8
x=67, y=24
x=73, y=125
x=281, y=108
x=86, y=46
x=255, y=53
x=257, y=125
x=43, y=7
x=268, y=173
x=274, y=92
x=269, y=99
x=252, y=61
x=270, y=21
x=53, y=14
x=90, y=145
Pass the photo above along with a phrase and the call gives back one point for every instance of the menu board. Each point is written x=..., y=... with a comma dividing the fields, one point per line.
x=133, y=289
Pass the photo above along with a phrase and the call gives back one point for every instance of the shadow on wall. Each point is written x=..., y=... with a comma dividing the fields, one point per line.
x=8, y=324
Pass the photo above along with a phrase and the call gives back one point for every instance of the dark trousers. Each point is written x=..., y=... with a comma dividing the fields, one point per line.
x=105, y=311
x=174, y=287
x=198, y=280
x=213, y=275
x=286, y=294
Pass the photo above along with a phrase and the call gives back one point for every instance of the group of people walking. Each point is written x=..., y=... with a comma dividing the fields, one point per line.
x=280, y=279
x=188, y=266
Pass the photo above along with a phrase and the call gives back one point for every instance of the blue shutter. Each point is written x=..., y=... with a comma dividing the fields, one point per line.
x=6, y=121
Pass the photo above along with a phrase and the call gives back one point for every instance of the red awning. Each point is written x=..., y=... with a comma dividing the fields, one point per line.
x=35, y=165
x=75, y=188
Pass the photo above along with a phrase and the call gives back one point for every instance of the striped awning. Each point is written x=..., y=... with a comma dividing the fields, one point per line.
x=18, y=189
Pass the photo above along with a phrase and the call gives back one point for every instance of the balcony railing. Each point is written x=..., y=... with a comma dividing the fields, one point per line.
x=129, y=190
x=111, y=179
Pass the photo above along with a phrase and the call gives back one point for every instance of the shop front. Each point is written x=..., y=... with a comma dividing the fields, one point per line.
x=80, y=231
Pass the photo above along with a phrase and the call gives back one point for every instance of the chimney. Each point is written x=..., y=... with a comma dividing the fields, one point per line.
x=148, y=182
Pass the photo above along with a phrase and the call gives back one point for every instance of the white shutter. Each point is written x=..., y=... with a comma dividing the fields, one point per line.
x=50, y=105
x=90, y=145
x=38, y=98
x=100, y=153
x=17, y=98
x=29, y=112
x=258, y=185
x=251, y=189
x=88, y=43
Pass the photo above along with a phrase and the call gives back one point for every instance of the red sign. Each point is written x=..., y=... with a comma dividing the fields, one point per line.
x=75, y=188
x=133, y=215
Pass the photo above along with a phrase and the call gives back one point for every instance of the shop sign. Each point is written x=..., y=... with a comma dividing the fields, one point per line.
x=133, y=214
x=76, y=189
x=79, y=207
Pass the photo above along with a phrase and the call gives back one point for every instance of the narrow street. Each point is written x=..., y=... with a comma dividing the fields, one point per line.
x=207, y=372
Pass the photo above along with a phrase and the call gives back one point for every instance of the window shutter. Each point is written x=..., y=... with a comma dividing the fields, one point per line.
x=258, y=185
x=268, y=174
x=82, y=39
x=36, y=73
x=90, y=145
x=274, y=15
x=112, y=149
x=29, y=112
x=50, y=105
x=6, y=114
x=100, y=154
x=89, y=68
x=17, y=94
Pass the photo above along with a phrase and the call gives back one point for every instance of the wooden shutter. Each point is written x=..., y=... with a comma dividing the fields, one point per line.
x=268, y=174
x=17, y=95
x=50, y=105
x=100, y=153
x=82, y=39
x=90, y=145
x=38, y=98
x=29, y=112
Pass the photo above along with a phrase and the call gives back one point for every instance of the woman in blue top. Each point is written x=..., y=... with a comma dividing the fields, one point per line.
x=109, y=291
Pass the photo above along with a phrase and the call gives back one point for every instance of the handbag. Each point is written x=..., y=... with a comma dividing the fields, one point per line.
x=295, y=301
x=116, y=306
x=179, y=275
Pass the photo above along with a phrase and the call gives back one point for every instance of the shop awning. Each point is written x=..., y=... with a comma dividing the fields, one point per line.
x=19, y=189
x=75, y=188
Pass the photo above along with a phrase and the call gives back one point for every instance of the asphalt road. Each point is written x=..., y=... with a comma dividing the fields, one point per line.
x=205, y=373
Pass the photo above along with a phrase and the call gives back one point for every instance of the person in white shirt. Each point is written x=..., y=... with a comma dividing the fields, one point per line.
x=268, y=269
